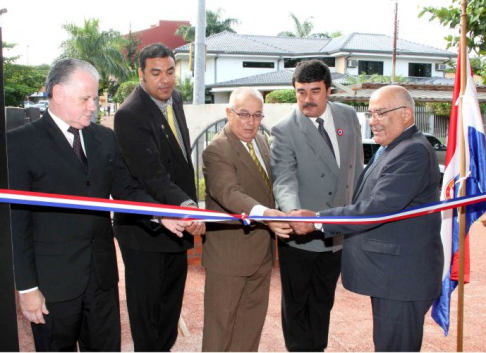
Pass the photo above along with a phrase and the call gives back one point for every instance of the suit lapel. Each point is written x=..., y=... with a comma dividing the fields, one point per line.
x=92, y=145
x=163, y=124
x=60, y=144
x=316, y=142
x=244, y=156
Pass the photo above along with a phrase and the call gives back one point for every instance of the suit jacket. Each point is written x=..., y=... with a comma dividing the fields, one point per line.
x=306, y=173
x=235, y=185
x=155, y=159
x=54, y=247
x=400, y=260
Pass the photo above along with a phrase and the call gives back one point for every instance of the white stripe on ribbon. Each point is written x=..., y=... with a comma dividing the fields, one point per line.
x=96, y=204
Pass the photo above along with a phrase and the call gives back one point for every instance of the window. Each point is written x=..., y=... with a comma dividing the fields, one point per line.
x=259, y=64
x=370, y=67
x=289, y=63
x=419, y=70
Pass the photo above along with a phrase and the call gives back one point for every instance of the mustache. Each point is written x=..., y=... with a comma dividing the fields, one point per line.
x=307, y=105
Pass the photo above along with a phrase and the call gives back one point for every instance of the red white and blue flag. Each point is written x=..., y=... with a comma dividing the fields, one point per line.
x=475, y=179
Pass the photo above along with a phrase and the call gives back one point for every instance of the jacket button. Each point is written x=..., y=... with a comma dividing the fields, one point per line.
x=330, y=193
x=92, y=240
x=88, y=183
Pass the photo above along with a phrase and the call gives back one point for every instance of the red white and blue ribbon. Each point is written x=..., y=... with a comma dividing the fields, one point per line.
x=96, y=204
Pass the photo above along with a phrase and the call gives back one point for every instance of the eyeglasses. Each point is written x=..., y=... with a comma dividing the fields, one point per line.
x=246, y=116
x=379, y=114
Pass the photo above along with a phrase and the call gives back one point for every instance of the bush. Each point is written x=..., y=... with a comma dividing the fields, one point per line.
x=281, y=96
x=124, y=90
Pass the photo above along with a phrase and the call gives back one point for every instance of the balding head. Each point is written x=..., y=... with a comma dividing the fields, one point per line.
x=393, y=112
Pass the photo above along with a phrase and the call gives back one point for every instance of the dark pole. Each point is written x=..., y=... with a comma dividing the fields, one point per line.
x=9, y=340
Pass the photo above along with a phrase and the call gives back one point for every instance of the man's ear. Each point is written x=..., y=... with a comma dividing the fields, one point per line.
x=57, y=93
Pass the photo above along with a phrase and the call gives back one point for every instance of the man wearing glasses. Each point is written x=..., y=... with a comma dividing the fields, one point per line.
x=317, y=157
x=238, y=259
x=398, y=264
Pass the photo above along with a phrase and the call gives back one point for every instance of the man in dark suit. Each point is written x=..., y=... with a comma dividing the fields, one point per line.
x=154, y=139
x=398, y=264
x=317, y=157
x=238, y=260
x=65, y=261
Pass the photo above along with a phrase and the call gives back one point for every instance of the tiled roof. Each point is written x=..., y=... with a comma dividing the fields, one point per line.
x=274, y=78
x=284, y=77
x=232, y=43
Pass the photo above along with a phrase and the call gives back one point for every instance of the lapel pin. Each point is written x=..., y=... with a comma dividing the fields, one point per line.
x=340, y=132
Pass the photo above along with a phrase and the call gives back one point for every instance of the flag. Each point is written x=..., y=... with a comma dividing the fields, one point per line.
x=475, y=159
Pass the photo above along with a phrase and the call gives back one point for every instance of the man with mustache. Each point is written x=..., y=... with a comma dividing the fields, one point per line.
x=398, y=264
x=317, y=157
x=153, y=136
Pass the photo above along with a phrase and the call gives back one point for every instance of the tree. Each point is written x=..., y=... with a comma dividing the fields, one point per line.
x=476, y=24
x=186, y=88
x=102, y=49
x=124, y=90
x=214, y=24
x=131, y=50
x=301, y=29
x=304, y=29
x=21, y=80
x=281, y=96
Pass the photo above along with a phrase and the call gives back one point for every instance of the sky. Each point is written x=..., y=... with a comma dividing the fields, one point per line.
x=36, y=26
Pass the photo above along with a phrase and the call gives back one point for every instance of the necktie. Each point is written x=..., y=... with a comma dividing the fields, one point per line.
x=324, y=135
x=78, y=149
x=259, y=166
x=175, y=128
x=378, y=154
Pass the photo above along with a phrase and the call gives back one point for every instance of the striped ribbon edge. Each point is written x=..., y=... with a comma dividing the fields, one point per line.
x=190, y=213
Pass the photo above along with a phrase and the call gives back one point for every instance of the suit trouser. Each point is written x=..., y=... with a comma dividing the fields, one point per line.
x=398, y=326
x=308, y=285
x=235, y=308
x=155, y=287
x=92, y=320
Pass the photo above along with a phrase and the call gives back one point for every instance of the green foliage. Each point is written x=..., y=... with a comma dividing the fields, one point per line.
x=214, y=24
x=202, y=189
x=124, y=90
x=103, y=49
x=21, y=80
x=304, y=29
x=375, y=78
x=281, y=96
x=476, y=24
x=131, y=50
x=185, y=88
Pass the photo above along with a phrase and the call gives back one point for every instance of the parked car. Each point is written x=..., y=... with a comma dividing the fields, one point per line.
x=42, y=105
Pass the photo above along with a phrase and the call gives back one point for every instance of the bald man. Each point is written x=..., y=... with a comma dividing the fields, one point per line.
x=398, y=264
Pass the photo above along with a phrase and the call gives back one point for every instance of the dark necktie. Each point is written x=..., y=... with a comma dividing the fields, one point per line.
x=324, y=135
x=78, y=149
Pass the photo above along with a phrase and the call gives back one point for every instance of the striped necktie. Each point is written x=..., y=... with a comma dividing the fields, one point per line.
x=325, y=135
x=259, y=166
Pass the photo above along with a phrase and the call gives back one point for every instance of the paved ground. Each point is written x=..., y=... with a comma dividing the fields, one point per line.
x=351, y=323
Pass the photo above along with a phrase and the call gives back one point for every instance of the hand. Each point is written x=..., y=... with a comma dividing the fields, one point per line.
x=483, y=220
x=33, y=305
x=281, y=229
x=302, y=228
x=175, y=225
x=195, y=227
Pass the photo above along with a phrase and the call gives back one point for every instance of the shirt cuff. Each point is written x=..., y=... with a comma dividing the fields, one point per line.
x=188, y=203
x=319, y=226
x=258, y=210
x=28, y=290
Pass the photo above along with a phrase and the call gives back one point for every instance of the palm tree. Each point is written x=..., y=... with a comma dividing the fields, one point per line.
x=214, y=24
x=102, y=49
x=301, y=30
x=304, y=29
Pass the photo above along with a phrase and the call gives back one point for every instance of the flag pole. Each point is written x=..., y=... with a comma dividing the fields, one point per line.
x=462, y=190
